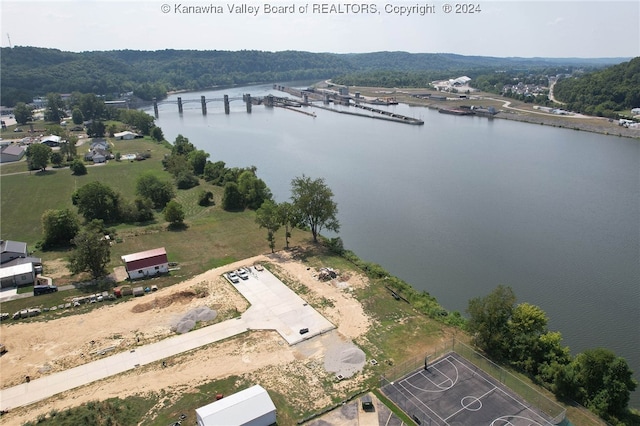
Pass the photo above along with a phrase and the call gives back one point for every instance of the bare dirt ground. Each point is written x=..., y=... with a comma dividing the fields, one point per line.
x=41, y=348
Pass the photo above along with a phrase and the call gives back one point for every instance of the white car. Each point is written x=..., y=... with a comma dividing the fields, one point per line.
x=233, y=277
x=242, y=274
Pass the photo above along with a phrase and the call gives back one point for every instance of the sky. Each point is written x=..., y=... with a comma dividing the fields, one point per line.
x=508, y=28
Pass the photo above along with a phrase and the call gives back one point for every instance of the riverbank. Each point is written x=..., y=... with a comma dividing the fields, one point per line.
x=508, y=108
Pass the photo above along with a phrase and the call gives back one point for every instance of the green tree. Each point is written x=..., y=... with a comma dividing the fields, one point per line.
x=96, y=129
x=600, y=380
x=198, y=160
x=56, y=158
x=489, y=320
x=76, y=116
x=182, y=146
x=160, y=192
x=186, y=179
x=313, y=199
x=174, y=213
x=288, y=218
x=38, y=156
x=91, y=107
x=213, y=172
x=68, y=147
x=59, y=227
x=22, y=113
x=268, y=217
x=253, y=189
x=232, y=199
x=92, y=253
x=156, y=134
x=55, y=108
x=97, y=201
x=78, y=168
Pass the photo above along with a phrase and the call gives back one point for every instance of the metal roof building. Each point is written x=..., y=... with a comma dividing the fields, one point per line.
x=146, y=263
x=250, y=407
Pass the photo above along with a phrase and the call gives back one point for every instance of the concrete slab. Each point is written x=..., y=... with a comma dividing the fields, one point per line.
x=274, y=306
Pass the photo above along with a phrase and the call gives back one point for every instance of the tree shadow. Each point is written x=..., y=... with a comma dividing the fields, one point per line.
x=43, y=172
x=177, y=227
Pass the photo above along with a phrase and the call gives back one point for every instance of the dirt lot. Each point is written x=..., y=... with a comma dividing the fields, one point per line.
x=41, y=348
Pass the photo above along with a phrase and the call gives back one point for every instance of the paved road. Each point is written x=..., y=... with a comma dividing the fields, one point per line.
x=273, y=307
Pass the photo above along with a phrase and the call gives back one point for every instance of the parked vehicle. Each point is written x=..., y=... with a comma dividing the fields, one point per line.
x=44, y=289
x=233, y=277
x=242, y=274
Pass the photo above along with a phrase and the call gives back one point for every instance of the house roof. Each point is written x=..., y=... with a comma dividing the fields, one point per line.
x=22, y=260
x=13, y=150
x=122, y=134
x=144, y=254
x=237, y=409
x=8, y=246
x=52, y=138
x=11, y=271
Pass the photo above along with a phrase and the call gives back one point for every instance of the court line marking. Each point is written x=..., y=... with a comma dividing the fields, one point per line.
x=438, y=385
x=415, y=398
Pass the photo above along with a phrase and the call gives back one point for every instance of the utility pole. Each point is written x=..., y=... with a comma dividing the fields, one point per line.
x=9, y=38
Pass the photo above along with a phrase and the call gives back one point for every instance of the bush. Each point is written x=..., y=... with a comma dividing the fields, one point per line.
x=205, y=198
x=78, y=168
x=186, y=180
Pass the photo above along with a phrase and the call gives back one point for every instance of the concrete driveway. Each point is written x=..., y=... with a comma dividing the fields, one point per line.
x=273, y=307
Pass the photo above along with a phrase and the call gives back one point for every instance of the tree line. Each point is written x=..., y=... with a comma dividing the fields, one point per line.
x=517, y=335
x=28, y=72
x=603, y=93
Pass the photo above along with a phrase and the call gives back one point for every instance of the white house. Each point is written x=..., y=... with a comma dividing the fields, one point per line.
x=18, y=275
x=127, y=135
x=250, y=407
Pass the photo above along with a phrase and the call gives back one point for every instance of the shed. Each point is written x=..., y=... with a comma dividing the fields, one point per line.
x=146, y=263
x=251, y=407
x=18, y=275
x=12, y=153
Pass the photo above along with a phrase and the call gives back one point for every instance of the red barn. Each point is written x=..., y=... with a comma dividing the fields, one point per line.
x=146, y=263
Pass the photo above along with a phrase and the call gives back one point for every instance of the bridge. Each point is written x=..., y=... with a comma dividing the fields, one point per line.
x=308, y=98
x=268, y=100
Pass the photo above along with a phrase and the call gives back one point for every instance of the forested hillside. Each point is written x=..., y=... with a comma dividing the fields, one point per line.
x=601, y=93
x=31, y=71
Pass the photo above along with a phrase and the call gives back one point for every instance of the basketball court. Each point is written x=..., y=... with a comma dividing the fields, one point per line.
x=451, y=392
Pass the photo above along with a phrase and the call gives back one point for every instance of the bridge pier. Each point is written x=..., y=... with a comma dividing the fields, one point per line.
x=326, y=99
x=180, y=105
x=155, y=107
x=226, y=104
x=247, y=99
x=204, y=105
x=268, y=101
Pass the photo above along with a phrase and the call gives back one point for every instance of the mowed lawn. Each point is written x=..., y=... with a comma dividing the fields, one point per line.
x=211, y=238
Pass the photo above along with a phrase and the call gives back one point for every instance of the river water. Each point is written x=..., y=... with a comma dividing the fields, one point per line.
x=461, y=204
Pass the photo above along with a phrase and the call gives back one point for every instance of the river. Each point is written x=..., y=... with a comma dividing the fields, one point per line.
x=461, y=204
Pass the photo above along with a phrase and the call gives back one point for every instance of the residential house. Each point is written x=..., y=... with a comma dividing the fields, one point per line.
x=18, y=275
x=146, y=263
